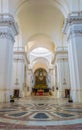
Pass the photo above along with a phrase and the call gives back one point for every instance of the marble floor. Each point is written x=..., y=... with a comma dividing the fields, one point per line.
x=41, y=113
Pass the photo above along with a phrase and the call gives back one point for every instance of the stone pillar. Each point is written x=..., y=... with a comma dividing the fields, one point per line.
x=62, y=72
x=28, y=82
x=25, y=78
x=8, y=30
x=29, y=76
x=73, y=30
x=56, y=83
x=49, y=80
x=51, y=75
x=19, y=80
x=56, y=86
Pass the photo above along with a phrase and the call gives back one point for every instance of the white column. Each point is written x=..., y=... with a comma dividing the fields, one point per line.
x=56, y=77
x=8, y=30
x=73, y=30
x=29, y=76
x=25, y=78
x=18, y=75
x=4, y=6
x=51, y=75
x=63, y=80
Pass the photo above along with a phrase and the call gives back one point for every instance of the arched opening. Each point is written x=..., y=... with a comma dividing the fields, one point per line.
x=40, y=78
x=41, y=86
x=41, y=25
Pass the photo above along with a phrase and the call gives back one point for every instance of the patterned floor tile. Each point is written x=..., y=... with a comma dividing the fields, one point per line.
x=30, y=113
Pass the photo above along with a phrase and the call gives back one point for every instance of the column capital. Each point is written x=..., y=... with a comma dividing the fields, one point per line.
x=62, y=50
x=73, y=26
x=8, y=26
x=61, y=53
x=51, y=67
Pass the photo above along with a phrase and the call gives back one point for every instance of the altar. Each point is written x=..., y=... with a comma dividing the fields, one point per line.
x=40, y=93
x=40, y=87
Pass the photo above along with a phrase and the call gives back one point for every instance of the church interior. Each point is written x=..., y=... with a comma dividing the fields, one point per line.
x=41, y=64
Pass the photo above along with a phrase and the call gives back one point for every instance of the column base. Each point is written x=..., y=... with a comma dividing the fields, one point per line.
x=60, y=93
x=4, y=95
x=76, y=96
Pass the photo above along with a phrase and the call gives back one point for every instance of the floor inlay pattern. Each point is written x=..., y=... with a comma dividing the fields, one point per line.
x=46, y=113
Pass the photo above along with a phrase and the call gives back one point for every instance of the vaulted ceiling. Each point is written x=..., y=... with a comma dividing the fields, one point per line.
x=40, y=17
x=40, y=23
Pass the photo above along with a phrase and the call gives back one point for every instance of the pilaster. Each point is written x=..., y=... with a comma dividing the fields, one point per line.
x=73, y=30
x=8, y=31
x=62, y=71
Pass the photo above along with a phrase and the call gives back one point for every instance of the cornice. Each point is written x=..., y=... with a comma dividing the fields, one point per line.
x=74, y=33
x=74, y=19
x=19, y=60
x=8, y=26
x=6, y=34
x=62, y=59
x=21, y=53
x=61, y=50
x=70, y=21
x=73, y=25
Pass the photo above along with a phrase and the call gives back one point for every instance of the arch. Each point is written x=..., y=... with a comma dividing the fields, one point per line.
x=41, y=59
x=30, y=28
x=40, y=62
x=40, y=40
x=60, y=4
x=39, y=69
x=40, y=66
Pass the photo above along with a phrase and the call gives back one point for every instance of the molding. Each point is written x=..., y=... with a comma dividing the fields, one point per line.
x=70, y=21
x=60, y=59
x=4, y=89
x=20, y=60
x=73, y=26
x=61, y=52
x=8, y=27
x=75, y=13
x=76, y=89
x=18, y=55
x=7, y=35
x=74, y=33
x=21, y=51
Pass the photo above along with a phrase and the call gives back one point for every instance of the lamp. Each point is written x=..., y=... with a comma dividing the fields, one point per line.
x=64, y=81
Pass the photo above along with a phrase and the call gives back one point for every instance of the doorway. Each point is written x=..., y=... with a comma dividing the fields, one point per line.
x=16, y=93
x=67, y=93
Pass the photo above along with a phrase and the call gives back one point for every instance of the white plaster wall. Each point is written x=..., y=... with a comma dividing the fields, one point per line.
x=63, y=73
x=4, y=6
x=67, y=74
x=20, y=76
x=18, y=41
